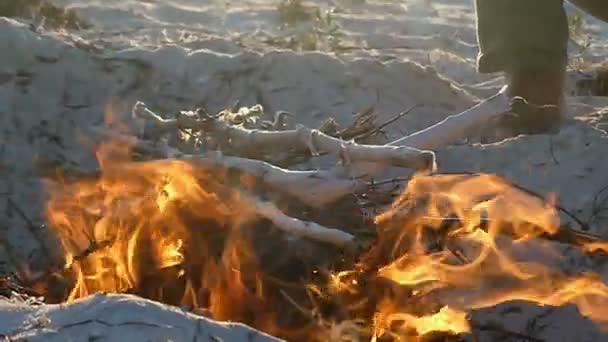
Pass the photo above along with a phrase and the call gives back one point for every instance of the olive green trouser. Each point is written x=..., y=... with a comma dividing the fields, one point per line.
x=515, y=34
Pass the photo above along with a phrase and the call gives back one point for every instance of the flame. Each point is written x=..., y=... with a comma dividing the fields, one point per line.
x=181, y=234
x=458, y=240
x=595, y=247
x=130, y=229
x=447, y=320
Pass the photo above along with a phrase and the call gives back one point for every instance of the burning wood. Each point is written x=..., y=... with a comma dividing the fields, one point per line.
x=185, y=230
x=316, y=188
x=421, y=278
x=294, y=226
x=479, y=260
x=231, y=218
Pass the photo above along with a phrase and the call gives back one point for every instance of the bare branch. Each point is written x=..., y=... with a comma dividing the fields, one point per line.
x=301, y=138
x=314, y=188
x=295, y=226
x=457, y=126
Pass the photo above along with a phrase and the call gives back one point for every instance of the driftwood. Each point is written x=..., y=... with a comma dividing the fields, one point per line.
x=244, y=139
x=298, y=227
x=450, y=130
x=417, y=145
x=115, y=318
x=315, y=188
x=458, y=126
x=309, y=186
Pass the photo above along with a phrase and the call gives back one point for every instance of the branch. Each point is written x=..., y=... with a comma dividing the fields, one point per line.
x=301, y=138
x=314, y=188
x=298, y=227
x=457, y=126
x=450, y=130
x=386, y=123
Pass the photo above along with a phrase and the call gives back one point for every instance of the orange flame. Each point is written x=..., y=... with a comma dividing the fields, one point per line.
x=138, y=218
x=476, y=264
x=450, y=244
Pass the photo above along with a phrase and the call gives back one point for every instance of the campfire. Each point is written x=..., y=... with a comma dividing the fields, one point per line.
x=214, y=237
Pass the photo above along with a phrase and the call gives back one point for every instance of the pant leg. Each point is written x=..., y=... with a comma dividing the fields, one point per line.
x=521, y=34
x=596, y=8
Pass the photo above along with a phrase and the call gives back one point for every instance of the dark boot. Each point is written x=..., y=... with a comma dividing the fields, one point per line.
x=537, y=102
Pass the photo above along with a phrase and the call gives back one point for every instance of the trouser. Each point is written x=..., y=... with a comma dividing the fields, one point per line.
x=521, y=34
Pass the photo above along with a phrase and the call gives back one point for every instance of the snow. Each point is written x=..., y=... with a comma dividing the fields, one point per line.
x=182, y=54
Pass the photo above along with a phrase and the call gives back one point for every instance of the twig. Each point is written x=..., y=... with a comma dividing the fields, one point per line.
x=448, y=131
x=31, y=226
x=552, y=151
x=457, y=126
x=93, y=247
x=599, y=205
x=385, y=124
x=12, y=283
x=20, y=212
x=297, y=306
x=459, y=255
x=314, y=188
x=373, y=183
x=243, y=139
x=295, y=226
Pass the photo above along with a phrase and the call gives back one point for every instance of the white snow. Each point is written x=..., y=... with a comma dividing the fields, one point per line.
x=178, y=54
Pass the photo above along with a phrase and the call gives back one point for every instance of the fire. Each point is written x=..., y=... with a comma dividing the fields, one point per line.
x=142, y=215
x=459, y=240
x=446, y=320
x=177, y=233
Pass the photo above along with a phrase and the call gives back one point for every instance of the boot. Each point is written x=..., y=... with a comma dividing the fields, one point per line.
x=537, y=101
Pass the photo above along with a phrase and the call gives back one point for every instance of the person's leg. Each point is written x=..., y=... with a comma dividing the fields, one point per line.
x=515, y=34
x=526, y=39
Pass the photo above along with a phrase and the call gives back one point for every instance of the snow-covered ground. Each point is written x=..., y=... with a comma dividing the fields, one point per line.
x=178, y=54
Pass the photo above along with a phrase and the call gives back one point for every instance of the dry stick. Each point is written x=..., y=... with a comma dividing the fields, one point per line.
x=295, y=226
x=362, y=125
x=457, y=126
x=315, y=188
x=31, y=226
x=387, y=123
x=452, y=129
x=302, y=184
x=301, y=137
